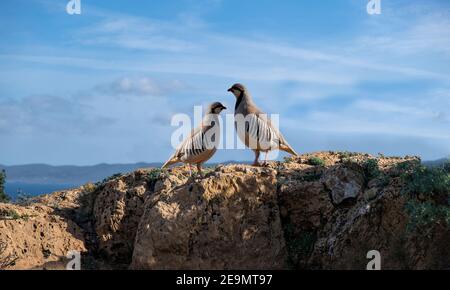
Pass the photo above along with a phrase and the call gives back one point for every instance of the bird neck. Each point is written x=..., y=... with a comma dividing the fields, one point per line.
x=210, y=120
x=244, y=98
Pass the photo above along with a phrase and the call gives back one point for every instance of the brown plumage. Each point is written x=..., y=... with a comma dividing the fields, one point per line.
x=254, y=129
x=202, y=143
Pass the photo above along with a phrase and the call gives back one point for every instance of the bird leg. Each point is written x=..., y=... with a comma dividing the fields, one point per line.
x=256, y=162
x=199, y=169
x=265, y=158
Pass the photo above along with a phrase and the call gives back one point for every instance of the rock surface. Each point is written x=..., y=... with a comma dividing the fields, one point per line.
x=117, y=210
x=227, y=220
x=287, y=215
x=32, y=237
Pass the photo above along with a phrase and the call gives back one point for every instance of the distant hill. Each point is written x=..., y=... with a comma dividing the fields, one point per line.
x=436, y=163
x=43, y=174
x=48, y=174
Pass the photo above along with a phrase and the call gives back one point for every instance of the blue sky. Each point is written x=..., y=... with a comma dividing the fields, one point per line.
x=102, y=86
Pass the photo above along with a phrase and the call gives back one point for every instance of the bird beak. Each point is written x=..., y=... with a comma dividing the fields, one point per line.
x=224, y=108
x=229, y=90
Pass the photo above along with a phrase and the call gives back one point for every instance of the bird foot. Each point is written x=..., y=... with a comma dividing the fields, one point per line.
x=197, y=175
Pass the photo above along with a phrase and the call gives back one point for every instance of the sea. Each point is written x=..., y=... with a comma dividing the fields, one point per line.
x=13, y=189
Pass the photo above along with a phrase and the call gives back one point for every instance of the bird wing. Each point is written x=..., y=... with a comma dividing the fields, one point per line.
x=197, y=147
x=190, y=143
x=261, y=131
x=180, y=151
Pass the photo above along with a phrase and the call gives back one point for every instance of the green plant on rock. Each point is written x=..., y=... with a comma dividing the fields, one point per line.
x=112, y=177
x=299, y=245
x=152, y=177
x=3, y=196
x=371, y=168
x=9, y=214
x=209, y=169
x=446, y=166
x=430, y=182
x=428, y=190
x=88, y=187
x=347, y=154
x=101, y=184
x=316, y=161
x=424, y=214
x=288, y=159
x=406, y=167
x=154, y=174
x=311, y=176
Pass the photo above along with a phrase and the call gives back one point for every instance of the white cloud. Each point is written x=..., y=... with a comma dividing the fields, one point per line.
x=180, y=47
x=140, y=86
x=47, y=114
x=415, y=31
x=186, y=48
x=131, y=32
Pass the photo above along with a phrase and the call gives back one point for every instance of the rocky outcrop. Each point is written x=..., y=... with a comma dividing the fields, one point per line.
x=227, y=220
x=335, y=214
x=317, y=211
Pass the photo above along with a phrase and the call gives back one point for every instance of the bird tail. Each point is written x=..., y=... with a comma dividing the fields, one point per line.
x=169, y=162
x=287, y=148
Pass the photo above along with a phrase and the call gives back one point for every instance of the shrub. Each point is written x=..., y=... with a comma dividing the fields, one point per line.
x=299, y=246
x=316, y=161
x=424, y=214
x=427, y=181
x=429, y=193
x=446, y=166
x=152, y=177
x=3, y=196
x=89, y=187
x=107, y=179
x=154, y=174
x=371, y=168
x=101, y=184
x=9, y=214
x=311, y=176
x=347, y=154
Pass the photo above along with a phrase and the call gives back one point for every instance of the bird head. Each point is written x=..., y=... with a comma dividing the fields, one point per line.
x=237, y=90
x=216, y=108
